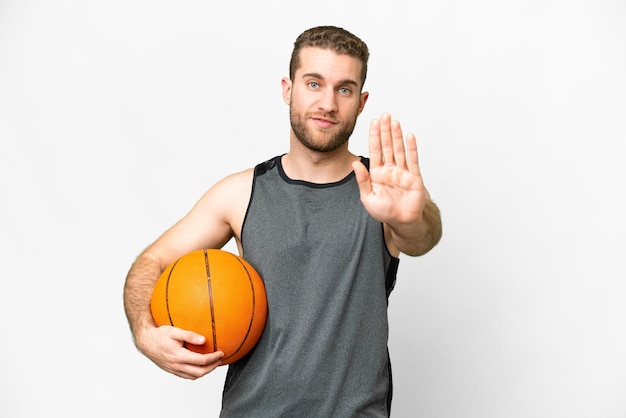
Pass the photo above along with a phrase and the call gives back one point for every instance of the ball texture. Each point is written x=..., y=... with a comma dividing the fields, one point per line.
x=216, y=294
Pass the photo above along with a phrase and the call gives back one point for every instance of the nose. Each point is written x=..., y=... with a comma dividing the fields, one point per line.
x=328, y=101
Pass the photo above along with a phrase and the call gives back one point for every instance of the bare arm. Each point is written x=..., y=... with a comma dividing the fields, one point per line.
x=163, y=345
x=393, y=190
x=216, y=218
x=420, y=237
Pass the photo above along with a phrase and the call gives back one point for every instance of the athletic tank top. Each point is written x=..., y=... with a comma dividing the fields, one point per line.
x=328, y=275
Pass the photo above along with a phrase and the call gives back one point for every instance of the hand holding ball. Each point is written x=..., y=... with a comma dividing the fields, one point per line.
x=216, y=294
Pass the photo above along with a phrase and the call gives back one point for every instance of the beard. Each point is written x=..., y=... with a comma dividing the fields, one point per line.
x=331, y=140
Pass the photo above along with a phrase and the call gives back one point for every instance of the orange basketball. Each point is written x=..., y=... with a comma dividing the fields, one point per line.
x=216, y=294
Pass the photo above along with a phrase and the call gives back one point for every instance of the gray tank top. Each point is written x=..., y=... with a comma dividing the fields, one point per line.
x=328, y=275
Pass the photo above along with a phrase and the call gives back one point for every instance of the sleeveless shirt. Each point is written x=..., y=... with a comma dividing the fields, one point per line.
x=328, y=275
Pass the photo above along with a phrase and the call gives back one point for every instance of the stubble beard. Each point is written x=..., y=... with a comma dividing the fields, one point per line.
x=334, y=139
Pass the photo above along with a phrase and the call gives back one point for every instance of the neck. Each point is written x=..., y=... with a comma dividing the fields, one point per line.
x=301, y=163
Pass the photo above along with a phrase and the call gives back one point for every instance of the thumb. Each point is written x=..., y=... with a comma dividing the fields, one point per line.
x=189, y=337
x=362, y=176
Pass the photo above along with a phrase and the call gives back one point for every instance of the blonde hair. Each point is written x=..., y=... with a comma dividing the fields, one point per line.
x=336, y=39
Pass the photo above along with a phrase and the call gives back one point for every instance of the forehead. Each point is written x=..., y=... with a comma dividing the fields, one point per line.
x=329, y=65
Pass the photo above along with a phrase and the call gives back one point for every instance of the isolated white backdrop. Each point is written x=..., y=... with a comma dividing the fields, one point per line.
x=116, y=116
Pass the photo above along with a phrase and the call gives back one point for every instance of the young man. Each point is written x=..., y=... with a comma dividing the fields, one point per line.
x=324, y=228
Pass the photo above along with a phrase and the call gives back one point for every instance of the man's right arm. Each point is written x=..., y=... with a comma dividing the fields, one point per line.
x=216, y=218
x=163, y=345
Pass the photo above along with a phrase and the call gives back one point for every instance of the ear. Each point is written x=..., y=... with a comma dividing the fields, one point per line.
x=363, y=99
x=286, y=85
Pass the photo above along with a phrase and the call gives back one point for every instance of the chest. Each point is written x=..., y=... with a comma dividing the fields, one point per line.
x=288, y=218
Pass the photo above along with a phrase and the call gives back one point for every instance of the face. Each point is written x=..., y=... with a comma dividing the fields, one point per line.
x=324, y=99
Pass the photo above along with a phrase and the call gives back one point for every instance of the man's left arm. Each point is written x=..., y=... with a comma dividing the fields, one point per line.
x=417, y=238
x=393, y=191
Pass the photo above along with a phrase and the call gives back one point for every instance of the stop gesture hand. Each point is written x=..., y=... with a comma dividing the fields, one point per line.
x=393, y=191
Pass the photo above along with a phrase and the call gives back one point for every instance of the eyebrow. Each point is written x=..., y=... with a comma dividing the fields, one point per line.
x=342, y=82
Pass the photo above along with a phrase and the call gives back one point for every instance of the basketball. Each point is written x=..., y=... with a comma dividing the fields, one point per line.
x=216, y=294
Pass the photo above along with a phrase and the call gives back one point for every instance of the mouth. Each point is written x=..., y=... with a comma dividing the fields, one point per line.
x=323, y=123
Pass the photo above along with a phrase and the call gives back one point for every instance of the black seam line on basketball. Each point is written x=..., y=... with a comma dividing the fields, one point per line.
x=167, y=294
x=210, y=288
x=245, y=338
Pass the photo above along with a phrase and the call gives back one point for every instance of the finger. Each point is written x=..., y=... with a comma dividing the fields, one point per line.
x=386, y=140
x=398, y=144
x=201, y=365
x=213, y=358
x=192, y=372
x=186, y=373
x=412, y=155
x=376, y=156
x=193, y=365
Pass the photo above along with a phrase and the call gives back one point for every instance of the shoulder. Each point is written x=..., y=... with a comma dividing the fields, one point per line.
x=219, y=213
x=267, y=165
x=241, y=178
x=231, y=192
x=226, y=202
x=244, y=179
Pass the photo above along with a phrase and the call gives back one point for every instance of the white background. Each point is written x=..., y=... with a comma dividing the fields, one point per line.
x=115, y=116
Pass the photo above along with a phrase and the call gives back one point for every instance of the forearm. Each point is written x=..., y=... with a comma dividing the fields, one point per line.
x=138, y=291
x=420, y=237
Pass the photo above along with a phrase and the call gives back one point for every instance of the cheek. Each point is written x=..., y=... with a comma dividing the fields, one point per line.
x=301, y=102
x=351, y=108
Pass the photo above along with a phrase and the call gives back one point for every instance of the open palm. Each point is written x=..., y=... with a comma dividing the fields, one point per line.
x=392, y=191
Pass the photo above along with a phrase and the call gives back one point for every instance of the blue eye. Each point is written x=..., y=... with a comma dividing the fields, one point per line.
x=313, y=84
x=345, y=90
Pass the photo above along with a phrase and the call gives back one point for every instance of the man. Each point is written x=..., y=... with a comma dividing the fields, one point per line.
x=324, y=230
